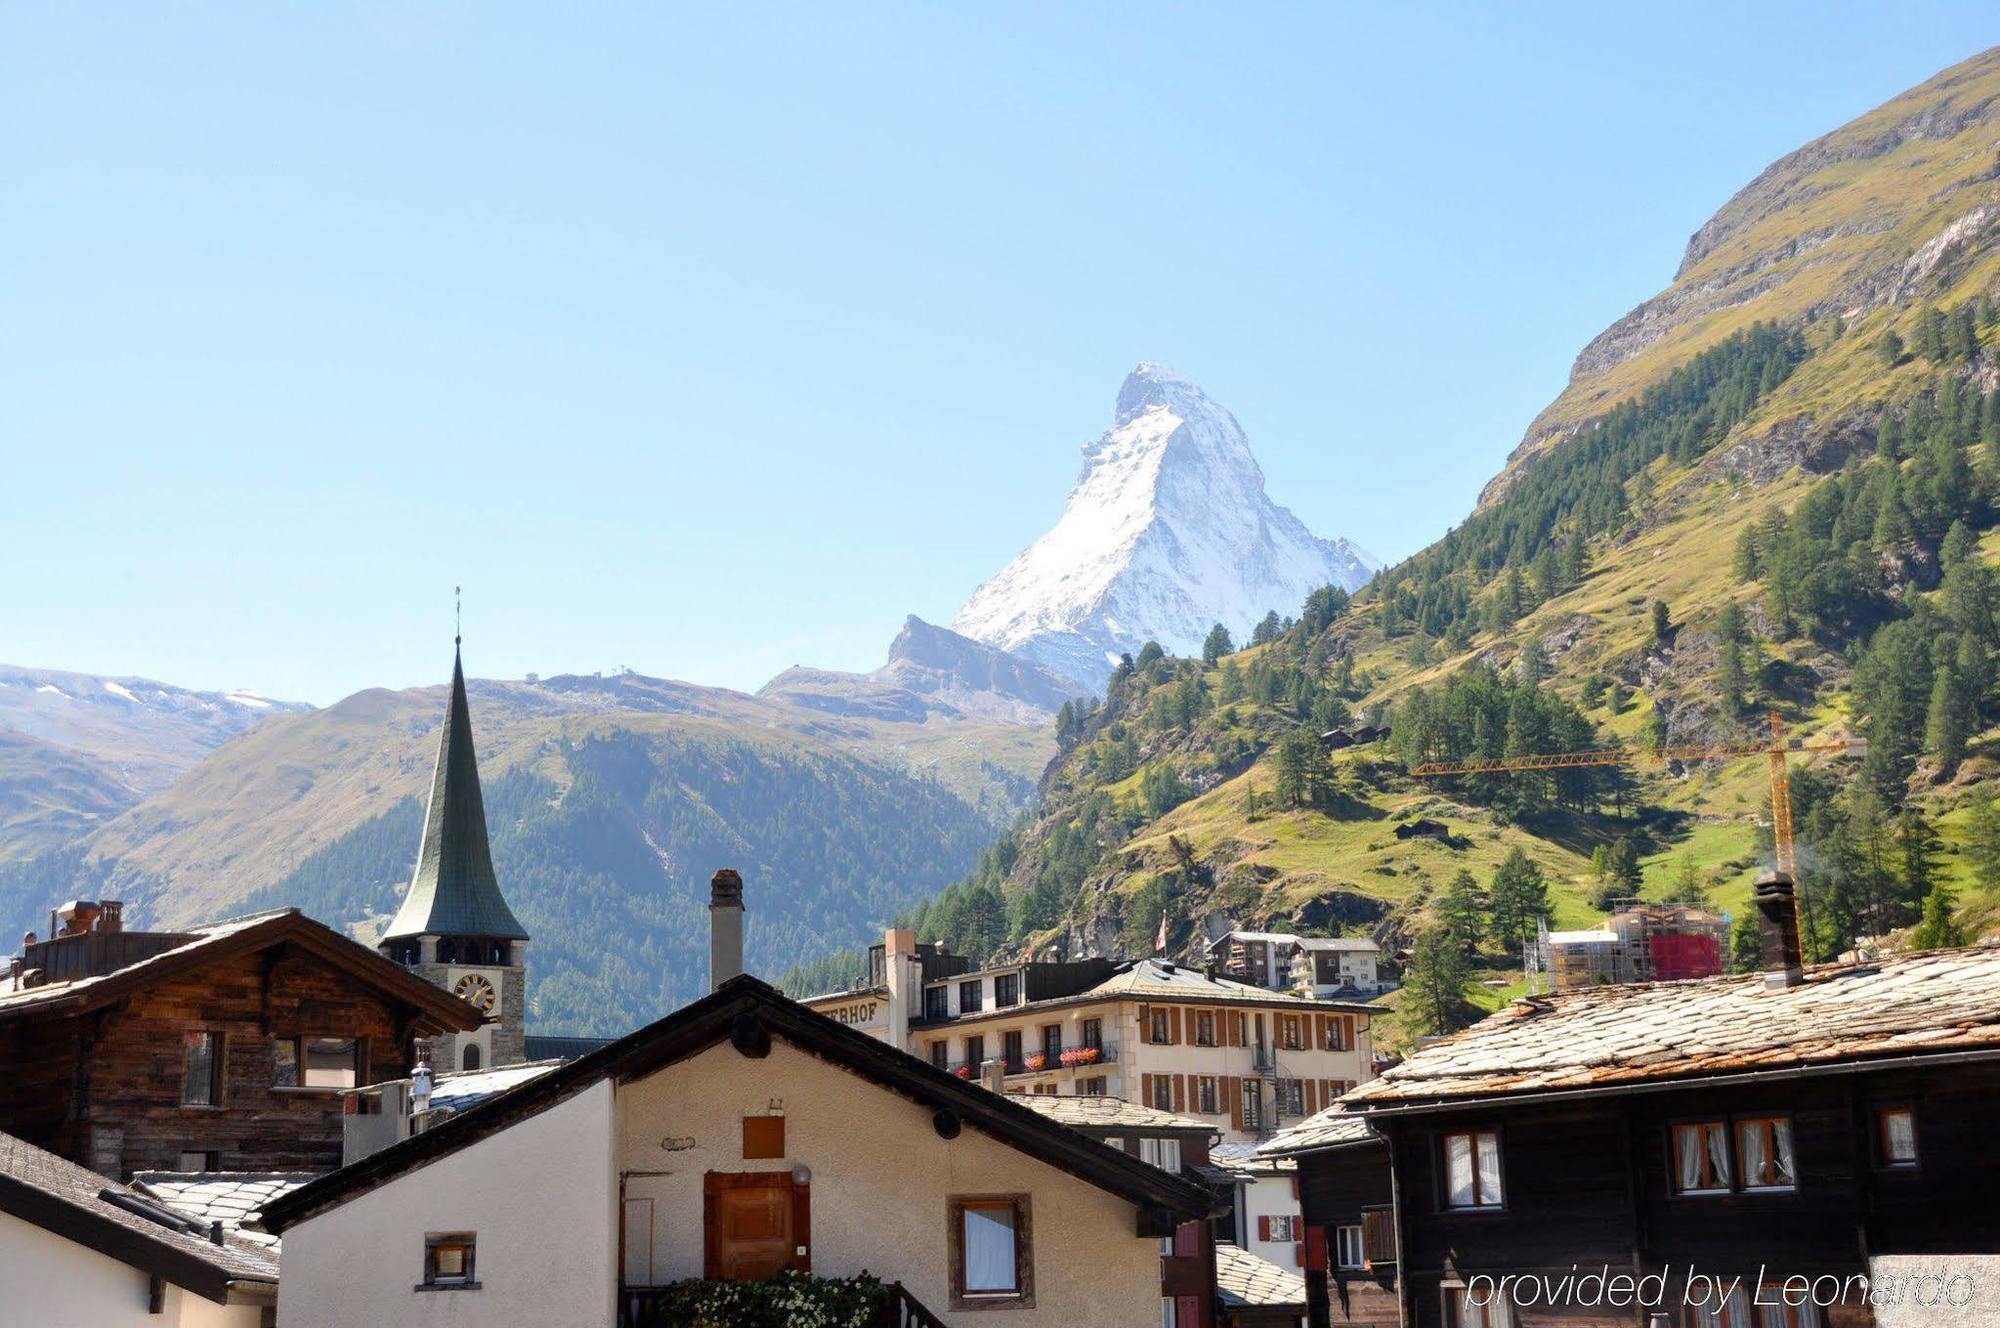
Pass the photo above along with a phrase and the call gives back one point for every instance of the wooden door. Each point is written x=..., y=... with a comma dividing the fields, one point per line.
x=755, y=1223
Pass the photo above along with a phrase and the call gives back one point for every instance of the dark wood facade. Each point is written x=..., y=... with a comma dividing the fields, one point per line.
x=1589, y=1183
x=1349, y=1187
x=98, y=1076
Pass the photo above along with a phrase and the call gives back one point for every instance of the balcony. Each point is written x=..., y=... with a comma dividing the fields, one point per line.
x=1077, y=1062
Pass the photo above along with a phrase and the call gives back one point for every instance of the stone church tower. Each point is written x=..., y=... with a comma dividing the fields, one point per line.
x=454, y=927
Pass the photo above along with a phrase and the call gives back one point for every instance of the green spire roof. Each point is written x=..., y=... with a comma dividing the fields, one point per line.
x=454, y=891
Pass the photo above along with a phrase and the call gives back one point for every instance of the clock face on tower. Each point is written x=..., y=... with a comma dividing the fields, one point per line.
x=476, y=989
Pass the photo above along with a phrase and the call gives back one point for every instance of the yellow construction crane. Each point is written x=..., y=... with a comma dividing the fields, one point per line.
x=1775, y=750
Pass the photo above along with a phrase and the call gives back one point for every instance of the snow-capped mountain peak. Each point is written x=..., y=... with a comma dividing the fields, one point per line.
x=1168, y=531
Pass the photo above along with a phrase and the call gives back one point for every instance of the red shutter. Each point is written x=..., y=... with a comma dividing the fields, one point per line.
x=1146, y=1089
x=1145, y=1023
x=1232, y=1086
x=1299, y=1254
x=1311, y=1090
x=1316, y=1249
x=1263, y=1228
x=1174, y=1026
x=1179, y=1091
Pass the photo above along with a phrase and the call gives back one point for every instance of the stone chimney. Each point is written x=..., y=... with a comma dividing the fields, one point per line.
x=994, y=1072
x=725, y=927
x=904, y=976
x=1778, y=925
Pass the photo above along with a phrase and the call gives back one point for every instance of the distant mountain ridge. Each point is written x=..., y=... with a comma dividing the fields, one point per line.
x=1168, y=531
x=931, y=671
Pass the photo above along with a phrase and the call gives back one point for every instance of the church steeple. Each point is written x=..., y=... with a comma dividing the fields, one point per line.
x=454, y=926
x=454, y=891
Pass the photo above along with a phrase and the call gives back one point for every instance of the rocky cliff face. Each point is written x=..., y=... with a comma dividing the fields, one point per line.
x=931, y=671
x=1168, y=531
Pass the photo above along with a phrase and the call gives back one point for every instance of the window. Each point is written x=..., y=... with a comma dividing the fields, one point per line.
x=1472, y=1170
x=1253, y=1105
x=1347, y=1251
x=1052, y=1044
x=1158, y=1029
x=1701, y=1158
x=1163, y=1092
x=975, y=1053
x=1733, y=1312
x=1092, y=1087
x=940, y=1054
x=321, y=1062
x=1007, y=989
x=201, y=1069
x=1010, y=1051
x=937, y=1003
x=1764, y=1147
x=468, y=1059
x=1204, y=1028
x=1378, y=1235
x=1207, y=1101
x=448, y=1261
x=1775, y=1311
x=990, y=1251
x=1287, y=1228
x=1291, y=1097
x=1093, y=1033
x=1483, y=1308
x=200, y=1160
x=1895, y=1137
x=968, y=996
x=1289, y=1037
x=1162, y=1153
x=1336, y=1033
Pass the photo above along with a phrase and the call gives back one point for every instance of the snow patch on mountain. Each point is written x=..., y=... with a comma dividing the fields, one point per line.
x=1168, y=531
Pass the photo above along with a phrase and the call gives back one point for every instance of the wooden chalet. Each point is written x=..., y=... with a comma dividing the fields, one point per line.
x=224, y=1046
x=1779, y=1150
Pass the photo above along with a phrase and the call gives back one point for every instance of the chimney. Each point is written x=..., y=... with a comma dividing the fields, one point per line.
x=994, y=1072
x=1778, y=924
x=725, y=927
x=903, y=974
x=215, y=1231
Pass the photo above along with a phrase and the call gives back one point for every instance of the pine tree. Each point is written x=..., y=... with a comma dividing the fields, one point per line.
x=1267, y=629
x=1461, y=909
x=1217, y=644
x=1890, y=347
x=1663, y=625
x=1434, y=983
x=1298, y=769
x=1964, y=332
x=1982, y=837
x=1939, y=929
x=1949, y=721
x=1687, y=886
x=1729, y=659
x=1625, y=871
x=1746, y=944
x=1931, y=335
x=1920, y=848
x=1748, y=563
x=1520, y=897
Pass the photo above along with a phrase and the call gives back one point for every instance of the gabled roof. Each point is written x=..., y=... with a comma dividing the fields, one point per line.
x=228, y=1197
x=1843, y=1017
x=454, y=891
x=60, y=1197
x=748, y=1013
x=1336, y=1127
x=1241, y=1161
x=1247, y=1281
x=441, y=1011
x=1113, y=1114
x=1163, y=980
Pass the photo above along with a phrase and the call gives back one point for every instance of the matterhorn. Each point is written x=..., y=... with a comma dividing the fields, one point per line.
x=1167, y=532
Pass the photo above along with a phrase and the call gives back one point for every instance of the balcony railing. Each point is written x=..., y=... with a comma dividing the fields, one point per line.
x=1104, y=1055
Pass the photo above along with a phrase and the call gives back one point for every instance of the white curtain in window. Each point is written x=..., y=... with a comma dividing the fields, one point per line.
x=1718, y=1153
x=1750, y=1146
x=1781, y=1141
x=989, y=1249
x=1489, y=1169
x=1458, y=1170
x=1687, y=1156
x=1899, y=1129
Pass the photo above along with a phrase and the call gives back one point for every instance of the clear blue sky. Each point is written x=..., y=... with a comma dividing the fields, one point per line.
x=708, y=341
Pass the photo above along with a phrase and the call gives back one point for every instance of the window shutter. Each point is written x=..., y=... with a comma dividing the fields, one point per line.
x=1263, y=1228
x=1146, y=1089
x=1174, y=1025
x=1347, y=1032
x=1145, y=1023
x=1231, y=1089
x=1311, y=1091
x=1315, y=1251
x=1319, y=1030
x=1180, y=1092
x=1299, y=1254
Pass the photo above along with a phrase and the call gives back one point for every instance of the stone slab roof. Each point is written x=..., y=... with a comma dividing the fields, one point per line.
x=1336, y=1127
x=84, y=1207
x=1242, y=1161
x=1937, y=1003
x=229, y=1197
x=1247, y=1281
x=1106, y=1113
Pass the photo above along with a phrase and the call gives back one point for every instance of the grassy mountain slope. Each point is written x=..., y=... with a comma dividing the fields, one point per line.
x=1763, y=393
x=610, y=800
